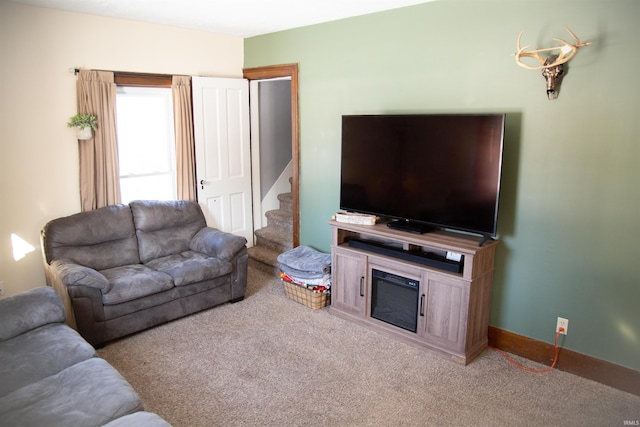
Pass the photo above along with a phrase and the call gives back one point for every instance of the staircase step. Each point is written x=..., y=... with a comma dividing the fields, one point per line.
x=286, y=201
x=275, y=239
x=264, y=259
x=280, y=219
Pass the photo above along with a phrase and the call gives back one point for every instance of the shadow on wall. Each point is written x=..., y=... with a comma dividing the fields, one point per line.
x=507, y=205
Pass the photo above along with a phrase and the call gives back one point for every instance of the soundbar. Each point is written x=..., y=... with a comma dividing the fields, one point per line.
x=425, y=258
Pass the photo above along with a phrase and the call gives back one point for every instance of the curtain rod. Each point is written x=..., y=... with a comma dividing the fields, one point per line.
x=75, y=71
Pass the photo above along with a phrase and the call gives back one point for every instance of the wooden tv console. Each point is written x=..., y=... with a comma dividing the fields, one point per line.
x=453, y=314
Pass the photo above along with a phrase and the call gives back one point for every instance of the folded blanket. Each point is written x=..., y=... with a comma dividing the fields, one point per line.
x=307, y=260
x=301, y=274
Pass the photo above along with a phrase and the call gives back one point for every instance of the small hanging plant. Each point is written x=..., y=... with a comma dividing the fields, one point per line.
x=83, y=121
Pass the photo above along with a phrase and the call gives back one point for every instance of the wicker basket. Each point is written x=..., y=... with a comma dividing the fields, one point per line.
x=306, y=296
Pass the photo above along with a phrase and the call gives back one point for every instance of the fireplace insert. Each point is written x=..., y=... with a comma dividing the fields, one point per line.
x=394, y=299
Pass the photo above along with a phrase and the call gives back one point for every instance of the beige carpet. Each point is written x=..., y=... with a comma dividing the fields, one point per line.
x=269, y=361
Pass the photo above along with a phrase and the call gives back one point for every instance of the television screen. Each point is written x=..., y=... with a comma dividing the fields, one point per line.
x=425, y=169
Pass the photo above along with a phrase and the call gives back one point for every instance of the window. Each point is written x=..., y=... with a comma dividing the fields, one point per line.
x=146, y=147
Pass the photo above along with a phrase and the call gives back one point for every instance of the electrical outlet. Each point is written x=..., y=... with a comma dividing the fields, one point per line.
x=564, y=324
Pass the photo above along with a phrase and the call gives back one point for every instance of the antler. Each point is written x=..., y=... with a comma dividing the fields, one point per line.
x=567, y=51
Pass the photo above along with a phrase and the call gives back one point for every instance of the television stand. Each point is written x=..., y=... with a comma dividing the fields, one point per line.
x=408, y=226
x=453, y=303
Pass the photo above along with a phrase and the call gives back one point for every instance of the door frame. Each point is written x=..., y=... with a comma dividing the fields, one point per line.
x=272, y=72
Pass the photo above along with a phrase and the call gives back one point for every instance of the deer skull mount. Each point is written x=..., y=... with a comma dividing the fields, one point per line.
x=551, y=66
x=553, y=76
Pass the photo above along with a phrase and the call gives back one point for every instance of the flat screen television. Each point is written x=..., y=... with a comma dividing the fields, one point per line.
x=424, y=171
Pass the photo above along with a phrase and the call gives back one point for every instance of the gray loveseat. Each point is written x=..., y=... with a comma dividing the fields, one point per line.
x=124, y=268
x=52, y=377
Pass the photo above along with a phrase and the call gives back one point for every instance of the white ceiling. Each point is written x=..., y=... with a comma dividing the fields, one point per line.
x=244, y=18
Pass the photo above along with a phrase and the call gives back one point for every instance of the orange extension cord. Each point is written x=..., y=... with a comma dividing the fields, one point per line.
x=536, y=371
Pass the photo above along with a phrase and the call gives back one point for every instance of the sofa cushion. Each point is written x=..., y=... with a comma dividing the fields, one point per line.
x=165, y=227
x=190, y=267
x=217, y=288
x=28, y=310
x=89, y=393
x=130, y=282
x=99, y=239
x=39, y=353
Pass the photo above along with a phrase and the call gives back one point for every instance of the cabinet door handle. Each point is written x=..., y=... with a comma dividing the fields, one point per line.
x=422, y=305
x=361, y=286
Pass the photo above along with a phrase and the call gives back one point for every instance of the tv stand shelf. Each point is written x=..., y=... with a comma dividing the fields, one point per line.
x=454, y=301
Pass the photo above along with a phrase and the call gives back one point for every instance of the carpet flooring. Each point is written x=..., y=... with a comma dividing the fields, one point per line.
x=270, y=361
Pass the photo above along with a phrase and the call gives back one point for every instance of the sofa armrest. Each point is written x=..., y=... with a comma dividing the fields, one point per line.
x=29, y=310
x=72, y=274
x=216, y=243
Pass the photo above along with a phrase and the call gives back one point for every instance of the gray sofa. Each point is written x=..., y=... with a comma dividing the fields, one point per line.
x=52, y=377
x=124, y=268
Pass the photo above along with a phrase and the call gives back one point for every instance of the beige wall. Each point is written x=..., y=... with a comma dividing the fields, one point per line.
x=38, y=153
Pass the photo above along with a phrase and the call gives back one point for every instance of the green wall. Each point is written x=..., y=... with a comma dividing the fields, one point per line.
x=570, y=198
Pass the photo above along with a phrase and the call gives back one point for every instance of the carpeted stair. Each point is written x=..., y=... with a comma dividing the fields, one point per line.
x=275, y=238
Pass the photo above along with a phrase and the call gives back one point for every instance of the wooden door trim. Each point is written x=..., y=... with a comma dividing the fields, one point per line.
x=272, y=72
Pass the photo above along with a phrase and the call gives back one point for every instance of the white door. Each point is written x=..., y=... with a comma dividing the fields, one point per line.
x=223, y=155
